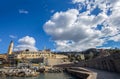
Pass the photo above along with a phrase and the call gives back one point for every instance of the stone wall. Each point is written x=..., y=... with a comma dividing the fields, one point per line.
x=54, y=61
x=109, y=63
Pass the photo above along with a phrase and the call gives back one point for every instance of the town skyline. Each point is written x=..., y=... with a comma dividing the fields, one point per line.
x=71, y=25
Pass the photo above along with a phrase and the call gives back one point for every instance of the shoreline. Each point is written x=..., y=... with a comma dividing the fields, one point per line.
x=18, y=73
x=73, y=71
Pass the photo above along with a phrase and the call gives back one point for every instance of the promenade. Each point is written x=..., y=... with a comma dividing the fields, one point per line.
x=105, y=75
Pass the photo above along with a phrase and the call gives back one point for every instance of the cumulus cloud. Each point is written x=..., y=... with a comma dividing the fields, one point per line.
x=23, y=11
x=26, y=42
x=71, y=25
x=76, y=30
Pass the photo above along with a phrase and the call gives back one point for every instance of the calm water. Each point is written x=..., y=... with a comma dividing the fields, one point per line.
x=48, y=76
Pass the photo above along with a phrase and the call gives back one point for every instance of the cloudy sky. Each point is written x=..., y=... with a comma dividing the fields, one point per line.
x=61, y=25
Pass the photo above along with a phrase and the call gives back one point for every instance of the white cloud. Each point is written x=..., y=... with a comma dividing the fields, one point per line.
x=61, y=23
x=105, y=47
x=12, y=36
x=77, y=1
x=23, y=11
x=71, y=25
x=81, y=27
x=109, y=31
x=116, y=38
x=26, y=42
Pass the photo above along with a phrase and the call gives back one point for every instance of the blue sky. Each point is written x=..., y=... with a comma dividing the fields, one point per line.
x=12, y=22
x=26, y=19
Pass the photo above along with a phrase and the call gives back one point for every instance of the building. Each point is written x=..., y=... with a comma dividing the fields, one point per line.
x=26, y=54
x=10, y=48
x=3, y=59
x=10, y=55
x=58, y=59
x=3, y=56
x=44, y=57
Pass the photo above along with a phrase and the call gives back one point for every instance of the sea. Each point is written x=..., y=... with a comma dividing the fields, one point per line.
x=47, y=76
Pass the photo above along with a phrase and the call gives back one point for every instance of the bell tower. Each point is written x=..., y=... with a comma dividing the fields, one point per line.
x=10, y=48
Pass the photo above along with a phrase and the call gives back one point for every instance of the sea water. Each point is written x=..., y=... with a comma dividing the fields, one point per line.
x=47, y=76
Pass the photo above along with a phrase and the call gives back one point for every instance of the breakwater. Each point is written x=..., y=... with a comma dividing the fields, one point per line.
x=82, y=73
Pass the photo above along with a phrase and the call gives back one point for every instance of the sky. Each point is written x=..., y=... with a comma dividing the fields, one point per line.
x=60, y=25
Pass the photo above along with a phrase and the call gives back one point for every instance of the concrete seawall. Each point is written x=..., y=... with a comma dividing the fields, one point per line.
x=82, y=73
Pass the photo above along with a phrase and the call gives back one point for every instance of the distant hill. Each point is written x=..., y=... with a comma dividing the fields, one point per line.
x=94, y=50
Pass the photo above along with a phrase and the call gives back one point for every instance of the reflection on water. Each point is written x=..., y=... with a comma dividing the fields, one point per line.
x=48, y=76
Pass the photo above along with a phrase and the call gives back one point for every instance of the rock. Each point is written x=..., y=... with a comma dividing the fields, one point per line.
x=21, y=74
x=2, y=74
x=18, y=72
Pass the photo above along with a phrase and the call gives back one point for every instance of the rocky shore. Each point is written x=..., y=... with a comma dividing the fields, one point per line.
x=50, y=70
x=18, y=73
x=25, y=72
x=54, y=70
